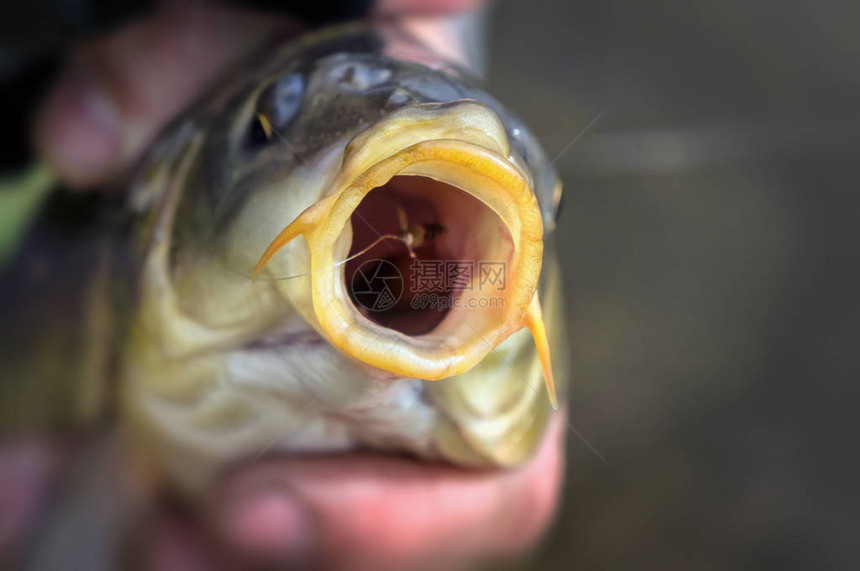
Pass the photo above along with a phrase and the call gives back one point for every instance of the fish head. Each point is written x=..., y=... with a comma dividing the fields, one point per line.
x=342, y=228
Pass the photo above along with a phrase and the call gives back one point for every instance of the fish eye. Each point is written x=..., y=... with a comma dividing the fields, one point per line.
x=559, y=206
x=261, y=130
x=276, y=107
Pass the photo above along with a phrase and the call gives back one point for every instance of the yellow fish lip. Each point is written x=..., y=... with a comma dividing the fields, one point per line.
x=463, y=145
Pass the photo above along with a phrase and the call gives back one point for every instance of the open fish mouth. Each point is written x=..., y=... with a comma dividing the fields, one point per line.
x=419, y=247
x=427, y=251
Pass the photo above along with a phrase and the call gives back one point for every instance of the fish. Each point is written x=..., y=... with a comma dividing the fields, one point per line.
x=345, y=244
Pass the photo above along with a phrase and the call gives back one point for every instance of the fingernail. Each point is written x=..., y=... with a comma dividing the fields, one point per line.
x=77, y=131
x=271, y=524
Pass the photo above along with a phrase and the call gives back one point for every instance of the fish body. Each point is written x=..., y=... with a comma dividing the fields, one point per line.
x=344, y=245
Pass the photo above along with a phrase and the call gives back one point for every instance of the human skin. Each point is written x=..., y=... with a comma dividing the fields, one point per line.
x=351, y=511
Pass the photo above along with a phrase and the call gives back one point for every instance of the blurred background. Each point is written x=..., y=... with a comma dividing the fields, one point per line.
x=709, y=152
x=710, y=246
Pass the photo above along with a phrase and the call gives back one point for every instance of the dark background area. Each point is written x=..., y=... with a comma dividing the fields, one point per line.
x=709, y=243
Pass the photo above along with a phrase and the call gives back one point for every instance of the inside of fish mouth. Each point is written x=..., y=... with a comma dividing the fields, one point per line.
x=416, y=242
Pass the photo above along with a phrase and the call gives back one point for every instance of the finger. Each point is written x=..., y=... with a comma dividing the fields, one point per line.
x=27, y=470
x=118, y=91
x=172, y=542
x=365, y=512
x=427, y=7
x=453, y=29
